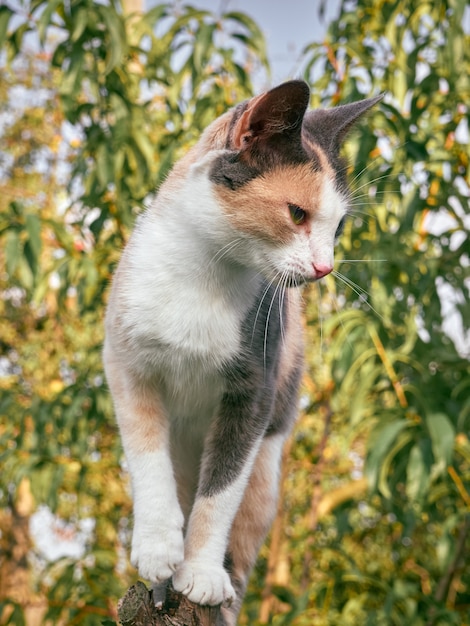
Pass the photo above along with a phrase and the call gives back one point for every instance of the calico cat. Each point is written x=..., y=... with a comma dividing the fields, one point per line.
x=203, y=349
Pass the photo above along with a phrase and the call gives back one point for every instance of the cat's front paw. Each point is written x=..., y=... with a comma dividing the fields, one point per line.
x=203, y=582
x=157, y=552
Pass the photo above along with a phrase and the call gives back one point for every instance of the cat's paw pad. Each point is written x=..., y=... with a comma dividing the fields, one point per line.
x=157, y=553
x=204, y=583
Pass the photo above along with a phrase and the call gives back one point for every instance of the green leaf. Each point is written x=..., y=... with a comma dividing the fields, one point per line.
x=31, y=258
x=5, y=14
x=12, y=251
x=71, y=82
x=155, y=14
x=381, y=441
x=16, y=616
x=442, y=434
x=117, y=45
x=202, y=46
x=104, y=165
x=144, y=145
x=45, y=19
x=80, y=21
x=33, y=227
x=256, y=38
x=418, y=471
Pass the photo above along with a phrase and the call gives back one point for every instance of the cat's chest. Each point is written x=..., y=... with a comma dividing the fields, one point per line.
x=186, y=341
x=188, y=328
x=178, y=298
x=194, y=326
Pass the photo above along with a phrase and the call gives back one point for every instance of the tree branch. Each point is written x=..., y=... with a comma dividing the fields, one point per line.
x=137, y=608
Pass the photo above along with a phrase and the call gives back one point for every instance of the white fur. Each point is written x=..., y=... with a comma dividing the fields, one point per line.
x=157, y=540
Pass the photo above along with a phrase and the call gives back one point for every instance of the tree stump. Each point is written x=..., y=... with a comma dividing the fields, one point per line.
x=137, y=608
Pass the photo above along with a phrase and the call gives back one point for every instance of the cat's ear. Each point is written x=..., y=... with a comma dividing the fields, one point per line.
x=329, y=127
x=278, y=112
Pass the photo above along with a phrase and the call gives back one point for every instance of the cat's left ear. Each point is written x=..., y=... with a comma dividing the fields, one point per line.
x=276, y=113
x=329, y=127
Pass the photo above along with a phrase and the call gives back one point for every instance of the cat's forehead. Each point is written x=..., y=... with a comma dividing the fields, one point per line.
x=299, y=184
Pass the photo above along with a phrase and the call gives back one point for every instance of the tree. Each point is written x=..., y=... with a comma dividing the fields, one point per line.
x=129, y=100
x=390, y=381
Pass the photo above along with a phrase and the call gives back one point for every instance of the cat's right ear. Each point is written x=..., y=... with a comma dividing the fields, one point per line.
x=276, y=113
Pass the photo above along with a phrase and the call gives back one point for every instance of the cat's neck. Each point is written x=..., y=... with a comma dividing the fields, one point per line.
x=185, y=293
x=178, y=253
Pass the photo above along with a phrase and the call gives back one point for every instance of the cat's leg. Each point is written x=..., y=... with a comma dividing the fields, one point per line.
x=202, y=576
x=253, y=520
x=157, y=538
x=258, y=508
x=229, y=455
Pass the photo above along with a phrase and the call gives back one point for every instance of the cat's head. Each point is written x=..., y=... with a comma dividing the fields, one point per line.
x=281, y=183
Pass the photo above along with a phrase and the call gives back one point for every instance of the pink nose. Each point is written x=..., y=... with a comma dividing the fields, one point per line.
x=322, y=270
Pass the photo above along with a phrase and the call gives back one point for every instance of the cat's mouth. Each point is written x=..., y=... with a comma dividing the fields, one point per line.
x=295, y=279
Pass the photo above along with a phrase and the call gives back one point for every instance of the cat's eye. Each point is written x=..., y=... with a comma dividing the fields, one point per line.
x=339, y=230
x=297, y=214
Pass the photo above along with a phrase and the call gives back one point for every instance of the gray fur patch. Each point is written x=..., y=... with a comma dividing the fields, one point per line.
x=248, y=404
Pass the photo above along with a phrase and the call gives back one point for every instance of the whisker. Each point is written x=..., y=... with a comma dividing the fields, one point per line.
x=341, y=321
x=369, y=183
x=267, y=321
x=371, y=200
x=218, y=256
x=359, y=291
x=372, y=192
x=260, y=304
x=368, y=200
x=362, y=261
x=351, y=283
x=361, y=172
x=365, y=169
x=359, y=214
x=282, y=295
x=372, y=163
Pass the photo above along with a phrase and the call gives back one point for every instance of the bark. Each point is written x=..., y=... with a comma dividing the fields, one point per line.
x=137, y=608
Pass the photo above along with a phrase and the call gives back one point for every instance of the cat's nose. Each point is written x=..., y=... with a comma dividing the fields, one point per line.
x=322, y=270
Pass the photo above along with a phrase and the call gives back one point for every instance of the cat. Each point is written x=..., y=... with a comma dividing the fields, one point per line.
x=203, y=348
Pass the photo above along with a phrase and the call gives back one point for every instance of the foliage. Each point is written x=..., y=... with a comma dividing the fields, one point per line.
x=398, y=384
x=127, y=101
x=112, y=100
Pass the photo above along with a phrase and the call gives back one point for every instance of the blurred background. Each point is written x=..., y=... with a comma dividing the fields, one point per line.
x=97, y=100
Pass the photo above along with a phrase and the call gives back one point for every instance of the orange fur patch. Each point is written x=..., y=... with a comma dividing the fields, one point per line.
x=260, y=208
x=202, y=520
x=256, y=513
x=139, y=411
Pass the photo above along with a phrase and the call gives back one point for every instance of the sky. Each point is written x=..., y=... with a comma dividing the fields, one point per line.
x=288, y=26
